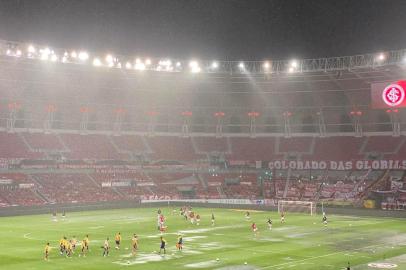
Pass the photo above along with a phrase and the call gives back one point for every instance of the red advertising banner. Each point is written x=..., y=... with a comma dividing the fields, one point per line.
x=388, y=95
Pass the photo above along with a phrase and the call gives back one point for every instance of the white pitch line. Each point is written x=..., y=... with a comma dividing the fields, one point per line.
x=316, y=257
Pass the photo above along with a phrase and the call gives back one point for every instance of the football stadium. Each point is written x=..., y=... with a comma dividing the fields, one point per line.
x=124, y=161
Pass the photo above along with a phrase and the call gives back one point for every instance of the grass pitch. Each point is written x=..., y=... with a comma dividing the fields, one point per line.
x=301, y=243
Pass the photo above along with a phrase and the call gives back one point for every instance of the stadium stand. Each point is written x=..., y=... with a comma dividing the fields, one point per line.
x=129, y=145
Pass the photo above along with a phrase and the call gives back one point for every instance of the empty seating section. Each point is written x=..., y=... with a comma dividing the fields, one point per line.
x=160, y=182
x=242, y=185
x=12, y=146
x=167, y=184
x=21, y=191
x=130, y=143
x=126, y=192
x=337, y=148
x=22, y=197
x=295, y=145
x=172, y=148
x=211, y=144
x=98, y=146
x=73, y=188
x=382, y=144
x=43, y=141
x=90, y=147
x=252, y=148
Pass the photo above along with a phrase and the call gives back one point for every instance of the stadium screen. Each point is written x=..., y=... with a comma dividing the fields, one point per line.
x=388, y=95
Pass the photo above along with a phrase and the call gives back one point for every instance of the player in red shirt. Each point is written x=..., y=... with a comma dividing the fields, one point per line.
x=254, y=228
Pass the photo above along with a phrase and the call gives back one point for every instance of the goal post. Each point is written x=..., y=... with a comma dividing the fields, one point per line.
x=297, y=206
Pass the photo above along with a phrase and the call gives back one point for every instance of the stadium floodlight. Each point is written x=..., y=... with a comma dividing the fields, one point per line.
x=193, y=64
x=109, y=58
x=196, y=69
x=31, y=49
x=128, y=65
x=148, y=62
x=241, y=65
x=73, y=54
x=266, y=65
x=165, y=62
x=293, y=64
x=83, y=56
x=96, y=62
x=140, y=66
x=45, y=53
x=214, y=65
x=381, y=57
x=54, y=58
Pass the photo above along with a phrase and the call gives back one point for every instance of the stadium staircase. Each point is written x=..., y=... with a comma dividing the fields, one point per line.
x=65, y=147
x=229, y=147
x=146, y=144
x=221, y=192
x=118, y=192
x=400, y=145
x=318, y=192
x=118, y=150
x=24, y=140
x=93, y=180
x=361, y=180
x=37, y=190
x=195, y=148
x=373, y=186
x=202, y=181
x=285, y=192
x=3, y=198
x=115, y=190
x=40, y=196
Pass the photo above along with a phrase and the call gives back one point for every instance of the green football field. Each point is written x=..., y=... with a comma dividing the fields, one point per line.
x=301, y=243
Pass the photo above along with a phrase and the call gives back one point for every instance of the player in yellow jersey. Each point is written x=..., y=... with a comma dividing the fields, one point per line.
x=118, y=240
x=134, y=244
x=73, y=242
x=87, y=242
x=68, y=248
x=83, y=250
x=62, y=245
x=46, y=251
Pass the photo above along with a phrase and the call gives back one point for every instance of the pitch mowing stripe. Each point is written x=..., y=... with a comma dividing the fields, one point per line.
x=317, y=257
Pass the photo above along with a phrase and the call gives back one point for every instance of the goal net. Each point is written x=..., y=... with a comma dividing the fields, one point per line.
x=297, y=206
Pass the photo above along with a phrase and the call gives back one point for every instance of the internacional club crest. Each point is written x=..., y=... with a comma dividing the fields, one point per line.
x=393, y=95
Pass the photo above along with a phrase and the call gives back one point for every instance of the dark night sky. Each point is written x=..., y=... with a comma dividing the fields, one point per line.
x=209, y=29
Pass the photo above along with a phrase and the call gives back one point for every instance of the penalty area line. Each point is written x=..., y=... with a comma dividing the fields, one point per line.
x=315, y=257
